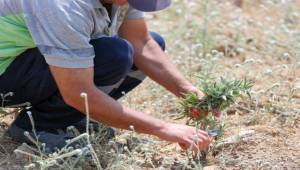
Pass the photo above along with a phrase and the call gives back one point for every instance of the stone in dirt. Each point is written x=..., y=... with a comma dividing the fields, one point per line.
x=212, y=167
x=242, y=136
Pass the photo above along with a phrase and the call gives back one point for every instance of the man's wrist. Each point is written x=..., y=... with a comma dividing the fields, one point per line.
x=145, y=123
x=184, y=88
x=160, y=132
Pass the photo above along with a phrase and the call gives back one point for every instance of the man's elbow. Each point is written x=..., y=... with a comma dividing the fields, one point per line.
x=70, y=100
x=73, y=98
x=72, y=82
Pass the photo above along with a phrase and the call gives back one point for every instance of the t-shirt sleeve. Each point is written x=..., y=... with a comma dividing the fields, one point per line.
x=134, y=14
x=61, y=31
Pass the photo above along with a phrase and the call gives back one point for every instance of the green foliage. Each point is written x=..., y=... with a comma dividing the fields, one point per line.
x=218, y=96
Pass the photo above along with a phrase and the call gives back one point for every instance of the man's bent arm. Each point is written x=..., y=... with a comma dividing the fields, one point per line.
x=103, y=108
x=152, y=60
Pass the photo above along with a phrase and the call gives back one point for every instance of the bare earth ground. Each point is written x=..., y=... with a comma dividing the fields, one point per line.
x=261, y=41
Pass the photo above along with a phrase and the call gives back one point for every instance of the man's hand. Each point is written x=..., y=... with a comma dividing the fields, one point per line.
x=187, y=137
x=201, y=95
x=193, y=89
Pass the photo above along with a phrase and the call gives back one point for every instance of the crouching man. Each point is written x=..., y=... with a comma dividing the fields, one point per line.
x=52, y=50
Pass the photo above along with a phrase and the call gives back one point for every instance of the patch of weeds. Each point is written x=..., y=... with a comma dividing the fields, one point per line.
x=11, y=109
x=254, y=120
x=203, y=36
x=67, y=157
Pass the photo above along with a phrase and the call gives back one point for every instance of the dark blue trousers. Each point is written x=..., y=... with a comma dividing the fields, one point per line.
x=30, y=80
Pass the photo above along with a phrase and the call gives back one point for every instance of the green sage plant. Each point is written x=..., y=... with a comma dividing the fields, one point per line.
x=219, y=95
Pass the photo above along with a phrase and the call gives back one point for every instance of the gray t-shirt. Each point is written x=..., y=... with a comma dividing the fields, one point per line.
x=62, y=29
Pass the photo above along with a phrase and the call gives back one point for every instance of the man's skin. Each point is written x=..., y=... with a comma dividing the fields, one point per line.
x=150, y=59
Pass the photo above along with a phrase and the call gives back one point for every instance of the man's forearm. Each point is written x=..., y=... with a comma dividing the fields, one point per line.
x=153, y=62
x=108, y=111
x=150, y=58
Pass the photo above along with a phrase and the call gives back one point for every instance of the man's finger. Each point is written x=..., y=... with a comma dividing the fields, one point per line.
x=191, y=144
x=201, y=140
x=204, y=133
x=201, y=95
x=194, y=145
x=205, y=141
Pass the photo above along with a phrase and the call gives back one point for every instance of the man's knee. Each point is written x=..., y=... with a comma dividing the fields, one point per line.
x=114, y=58
x=116, y=50
x=159, y=39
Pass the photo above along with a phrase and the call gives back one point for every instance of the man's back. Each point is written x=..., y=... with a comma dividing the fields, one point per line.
x=61, y=29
